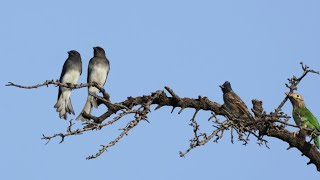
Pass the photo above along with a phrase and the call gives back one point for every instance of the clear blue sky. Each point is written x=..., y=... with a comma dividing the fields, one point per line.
x=193, y=47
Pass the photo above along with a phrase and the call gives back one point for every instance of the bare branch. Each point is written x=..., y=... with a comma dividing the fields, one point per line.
x=140, y=115
x=294, y=84
x=272, y=124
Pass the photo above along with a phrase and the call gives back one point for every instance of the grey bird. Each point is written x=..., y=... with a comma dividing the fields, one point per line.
x=72, y=69
x=98, y=71
x=233, y=102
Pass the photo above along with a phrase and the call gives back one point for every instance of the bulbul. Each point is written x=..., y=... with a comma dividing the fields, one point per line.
x=98, y=71
x=72, y=69
x=233, y=102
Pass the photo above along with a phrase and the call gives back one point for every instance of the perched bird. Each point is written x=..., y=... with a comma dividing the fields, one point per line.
x=302, y=116
x=233, y=102
x=98, y=71
x=71, y=72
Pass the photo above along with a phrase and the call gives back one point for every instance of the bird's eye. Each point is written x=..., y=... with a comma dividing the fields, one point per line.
x=298, y=96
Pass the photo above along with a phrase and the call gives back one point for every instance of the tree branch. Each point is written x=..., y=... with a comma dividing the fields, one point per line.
x=272, y=124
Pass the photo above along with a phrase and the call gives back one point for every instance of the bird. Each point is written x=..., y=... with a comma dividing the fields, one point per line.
x=233, y=102
x=302, y=116
x=71, y=71
x=98, y=71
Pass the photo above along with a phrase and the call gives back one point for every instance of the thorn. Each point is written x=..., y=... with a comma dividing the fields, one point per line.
x=158, y=107
x=47, y=142
x=181, y=110
x=172, y=109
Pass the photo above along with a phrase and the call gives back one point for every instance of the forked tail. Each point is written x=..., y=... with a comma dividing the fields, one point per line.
x=91, y=102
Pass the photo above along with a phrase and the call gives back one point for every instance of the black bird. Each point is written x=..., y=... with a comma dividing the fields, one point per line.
x=72, y=69
x=98, y=71
x=233, y=102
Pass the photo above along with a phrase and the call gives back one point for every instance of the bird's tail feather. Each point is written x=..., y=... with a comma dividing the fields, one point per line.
x=91, y=102
x=63, y=105
x=69, y=107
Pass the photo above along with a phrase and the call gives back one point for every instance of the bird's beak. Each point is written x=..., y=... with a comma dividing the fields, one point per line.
x=221, y=86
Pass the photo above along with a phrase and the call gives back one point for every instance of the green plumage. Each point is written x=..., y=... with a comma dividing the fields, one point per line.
x=303, y=117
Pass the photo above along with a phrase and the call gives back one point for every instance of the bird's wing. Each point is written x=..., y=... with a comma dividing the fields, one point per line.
x=63, y=72
x=240, y=104
x=90, y=68
x=108, y=70
x=311, y=119
x=298, y=118
x=64, y=69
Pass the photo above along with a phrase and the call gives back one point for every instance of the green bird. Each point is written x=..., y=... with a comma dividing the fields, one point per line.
x=302, y=116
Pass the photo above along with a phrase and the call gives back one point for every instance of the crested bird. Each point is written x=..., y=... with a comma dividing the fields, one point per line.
x=233, y=102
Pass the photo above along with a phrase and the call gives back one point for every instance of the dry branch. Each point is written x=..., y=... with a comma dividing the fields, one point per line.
x=271, y=124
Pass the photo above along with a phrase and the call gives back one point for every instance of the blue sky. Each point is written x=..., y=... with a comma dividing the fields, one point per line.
x=193, y=47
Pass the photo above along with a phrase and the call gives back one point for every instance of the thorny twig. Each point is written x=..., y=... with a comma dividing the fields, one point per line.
x=293, y=84
x=139, y=115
